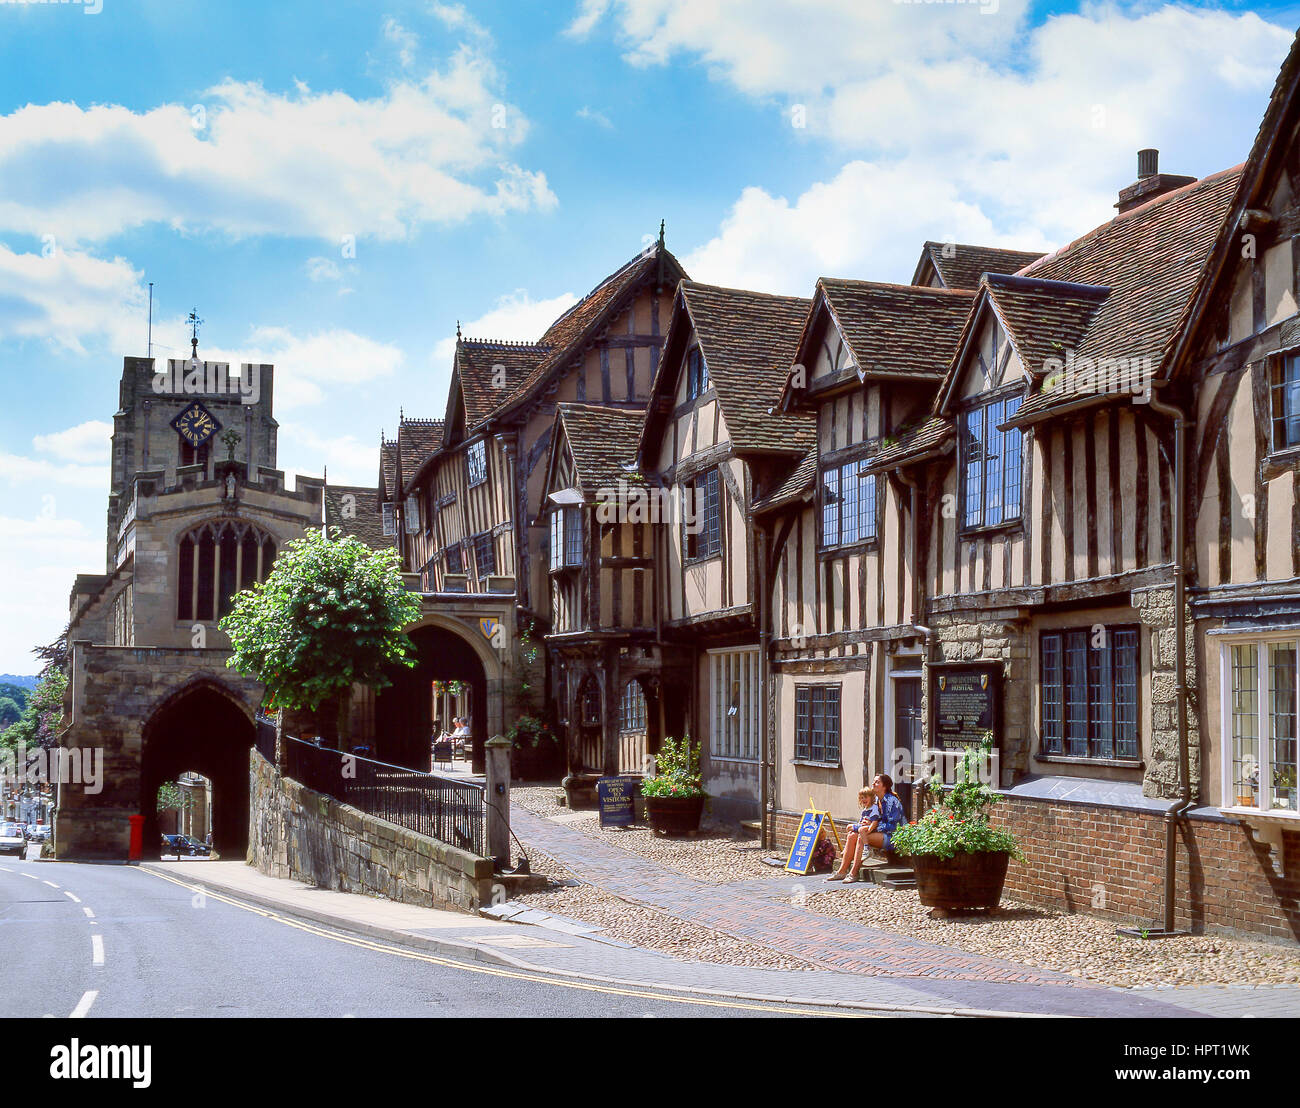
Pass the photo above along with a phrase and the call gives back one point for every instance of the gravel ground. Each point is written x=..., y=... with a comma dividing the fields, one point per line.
x=1082, y=946
x=644, y=927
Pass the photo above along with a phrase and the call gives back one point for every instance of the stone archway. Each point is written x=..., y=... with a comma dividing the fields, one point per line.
x=404, y=710
x=205, y=728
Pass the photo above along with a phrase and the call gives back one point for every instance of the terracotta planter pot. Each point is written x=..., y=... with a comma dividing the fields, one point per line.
x=673, y=815
x=962, y=881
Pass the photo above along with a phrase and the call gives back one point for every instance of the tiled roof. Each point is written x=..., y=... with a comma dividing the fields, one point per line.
x=920, y=442
x=897, y=329
x=1150, y=259
x=583, y=323
x=749, y=341
x=484, y=387
x=602, y=441
x=798, y=483
x=417, y=440
x=389, y=463
x=1044, y=319
x=361, y=516
x=960, y=267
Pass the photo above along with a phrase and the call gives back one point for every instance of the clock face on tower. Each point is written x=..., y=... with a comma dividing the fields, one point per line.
x=196, y=425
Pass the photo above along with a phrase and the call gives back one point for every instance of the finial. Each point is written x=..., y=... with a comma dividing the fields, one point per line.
x=659, y=272
x=193, y=320
x=458, y=330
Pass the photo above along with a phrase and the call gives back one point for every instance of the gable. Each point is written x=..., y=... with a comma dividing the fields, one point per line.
x=989, y=359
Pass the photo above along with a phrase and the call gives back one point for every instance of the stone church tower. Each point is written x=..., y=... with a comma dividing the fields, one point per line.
x=197, y=511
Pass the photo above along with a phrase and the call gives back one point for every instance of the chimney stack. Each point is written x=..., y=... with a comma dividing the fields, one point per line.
x=1150, y=182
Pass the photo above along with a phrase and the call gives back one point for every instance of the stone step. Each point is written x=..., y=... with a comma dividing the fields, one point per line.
x=893, y=876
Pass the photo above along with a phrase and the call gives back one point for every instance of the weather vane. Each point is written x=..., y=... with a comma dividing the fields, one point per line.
x=193, y=320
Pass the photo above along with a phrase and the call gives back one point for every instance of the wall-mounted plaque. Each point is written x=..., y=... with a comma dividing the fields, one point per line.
x=966, y=702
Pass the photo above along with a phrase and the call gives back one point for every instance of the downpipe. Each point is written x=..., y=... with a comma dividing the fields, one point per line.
x=1179, y=807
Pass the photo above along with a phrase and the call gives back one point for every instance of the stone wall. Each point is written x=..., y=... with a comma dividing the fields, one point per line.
x=306, y=836
x=1155, y=608
x=1110, y=862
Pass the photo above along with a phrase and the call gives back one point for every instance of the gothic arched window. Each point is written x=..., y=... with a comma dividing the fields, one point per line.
x=216, y=560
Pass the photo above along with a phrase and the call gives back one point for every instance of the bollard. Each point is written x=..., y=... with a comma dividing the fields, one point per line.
x=498, y=800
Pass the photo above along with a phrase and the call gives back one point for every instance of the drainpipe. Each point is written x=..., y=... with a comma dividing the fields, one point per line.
x=764, y=646
x=918, y=599
x=1180, y=806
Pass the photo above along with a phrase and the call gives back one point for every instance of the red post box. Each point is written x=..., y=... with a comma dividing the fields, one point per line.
x=137, y=837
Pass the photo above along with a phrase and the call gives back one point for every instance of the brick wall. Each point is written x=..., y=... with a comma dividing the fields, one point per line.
x=306, y=836
x=1110, y=862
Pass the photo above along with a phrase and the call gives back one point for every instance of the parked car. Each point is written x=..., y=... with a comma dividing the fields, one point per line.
x=12, y=840
x=184, y=847
x=38, y=832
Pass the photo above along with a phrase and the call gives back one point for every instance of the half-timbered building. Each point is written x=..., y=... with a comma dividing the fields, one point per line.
x=712, y=436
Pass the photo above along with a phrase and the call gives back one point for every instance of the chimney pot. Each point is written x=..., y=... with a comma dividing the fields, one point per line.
x=1148, y=163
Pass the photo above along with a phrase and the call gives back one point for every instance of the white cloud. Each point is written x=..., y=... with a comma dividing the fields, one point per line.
x=403, y=41
x=850, y=226
x=323, y=269
x=19, y=471
x=595, y=117
x=87, y=442
x=433, y=151
x=517, y=317
x=39, y=558
x=960, y=123
x=456, y=18
x=69, y=296
x=348, y=459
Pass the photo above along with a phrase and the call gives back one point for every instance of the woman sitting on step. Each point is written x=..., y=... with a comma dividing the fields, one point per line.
x=877, y=824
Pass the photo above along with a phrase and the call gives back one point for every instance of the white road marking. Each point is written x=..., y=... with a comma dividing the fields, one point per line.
x=5, y=869
x=72, y=896
x=83, y=1005
x=51, y=884
x=97, y=950
x=32, y=876
x=89, y=913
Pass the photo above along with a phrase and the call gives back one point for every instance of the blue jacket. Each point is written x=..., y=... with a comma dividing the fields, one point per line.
x=892, y=815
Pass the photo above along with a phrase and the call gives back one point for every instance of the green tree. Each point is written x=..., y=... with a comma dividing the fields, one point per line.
x=10, y=711
x=329, y=615
x=42, y=719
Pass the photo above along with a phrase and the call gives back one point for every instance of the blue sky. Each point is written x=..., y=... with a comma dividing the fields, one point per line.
x=492, y=160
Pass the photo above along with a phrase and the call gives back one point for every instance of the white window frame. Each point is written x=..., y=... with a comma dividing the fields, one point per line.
x=734, y=737
x=1227, y=780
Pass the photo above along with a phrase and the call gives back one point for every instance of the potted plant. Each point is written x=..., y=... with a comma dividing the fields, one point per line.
x=1284, y=787
x=674, y=795
x=960, y=859
x=1248, y=783
x=534, y=749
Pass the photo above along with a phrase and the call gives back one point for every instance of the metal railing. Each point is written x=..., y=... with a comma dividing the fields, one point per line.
x=448, y=809
x=265, y=738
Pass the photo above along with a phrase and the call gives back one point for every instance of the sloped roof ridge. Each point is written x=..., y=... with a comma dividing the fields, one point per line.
x=1046, y=284
x=621, y=271
x=1102, y=228
x=899, y=286
x=510, y=344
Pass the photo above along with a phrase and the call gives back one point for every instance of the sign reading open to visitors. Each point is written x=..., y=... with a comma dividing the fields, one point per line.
x=615, y=796
x=811, y=828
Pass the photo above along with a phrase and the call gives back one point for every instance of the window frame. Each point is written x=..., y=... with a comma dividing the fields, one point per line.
x=565, y=536
x=982, y=406
x=476, y=464
x=866, y=508
x=735, y=738
x=1075, y=722
x=1264, y=718
x=484, y=541
x=705, y=542
x=698, y=381
x=809, y=700
x=1284, y=391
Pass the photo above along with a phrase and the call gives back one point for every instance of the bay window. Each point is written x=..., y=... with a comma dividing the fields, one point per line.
x=1262, y=688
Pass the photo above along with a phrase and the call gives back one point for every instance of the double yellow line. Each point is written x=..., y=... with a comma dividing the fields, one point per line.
x=497, y=971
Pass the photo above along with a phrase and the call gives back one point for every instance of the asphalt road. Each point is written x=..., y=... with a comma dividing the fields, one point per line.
x=118, y=941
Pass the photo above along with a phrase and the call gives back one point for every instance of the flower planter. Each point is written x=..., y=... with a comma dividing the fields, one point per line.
x=674, y=815
x=962, y=881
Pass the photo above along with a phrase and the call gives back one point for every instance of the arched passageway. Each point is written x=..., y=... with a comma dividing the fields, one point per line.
x=404, y=712
x=203, y=730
